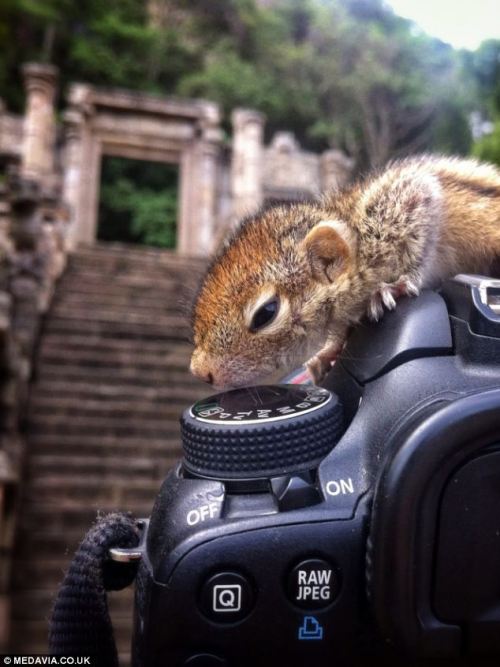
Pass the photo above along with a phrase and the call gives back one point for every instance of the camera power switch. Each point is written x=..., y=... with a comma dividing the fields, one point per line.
x=295, y=491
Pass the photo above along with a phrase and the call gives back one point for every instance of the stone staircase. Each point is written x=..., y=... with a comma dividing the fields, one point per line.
x=102, y=426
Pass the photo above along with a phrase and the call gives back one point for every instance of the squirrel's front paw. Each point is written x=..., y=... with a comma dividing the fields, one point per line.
x=321, y=364
x=317, y=369
x=387, y=293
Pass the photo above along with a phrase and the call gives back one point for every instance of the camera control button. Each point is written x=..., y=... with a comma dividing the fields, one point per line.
x=313, y=584
x=226, y=597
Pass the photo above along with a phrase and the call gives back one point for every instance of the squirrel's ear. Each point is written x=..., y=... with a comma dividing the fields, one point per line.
x=329, y=248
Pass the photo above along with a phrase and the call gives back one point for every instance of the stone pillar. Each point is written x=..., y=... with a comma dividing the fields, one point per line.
x=81, y=167
x=247, y=161
x=336, y=169
x=199, y=185
x=207, y=155
x=39, y=122
x=73, y=160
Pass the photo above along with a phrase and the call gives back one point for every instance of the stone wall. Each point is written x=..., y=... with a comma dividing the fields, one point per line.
x=33, y=220
x=11, y=134
x=219, y=183
x=281, y=171
x=31, y=259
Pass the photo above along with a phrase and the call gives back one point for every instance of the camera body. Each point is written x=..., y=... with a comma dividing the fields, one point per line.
x=332, y=525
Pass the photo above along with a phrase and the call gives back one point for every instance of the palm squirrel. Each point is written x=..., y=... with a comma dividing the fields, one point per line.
x=290, y=281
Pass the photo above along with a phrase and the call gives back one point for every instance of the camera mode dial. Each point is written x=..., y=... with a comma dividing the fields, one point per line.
x=261, y=431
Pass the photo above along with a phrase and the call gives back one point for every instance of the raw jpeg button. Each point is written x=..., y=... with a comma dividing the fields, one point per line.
x=313, y=584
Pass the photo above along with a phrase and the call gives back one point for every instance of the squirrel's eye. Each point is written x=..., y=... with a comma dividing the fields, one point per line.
x=265, y=314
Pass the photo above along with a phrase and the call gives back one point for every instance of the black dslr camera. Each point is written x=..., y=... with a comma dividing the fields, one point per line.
x=331, y=526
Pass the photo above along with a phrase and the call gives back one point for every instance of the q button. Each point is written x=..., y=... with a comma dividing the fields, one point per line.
x=226, y=597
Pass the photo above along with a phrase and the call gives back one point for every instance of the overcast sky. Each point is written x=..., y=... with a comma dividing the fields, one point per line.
x=462, y=23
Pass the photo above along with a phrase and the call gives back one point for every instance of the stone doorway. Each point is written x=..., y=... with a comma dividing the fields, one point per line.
x=142, y=127
x=138, y=202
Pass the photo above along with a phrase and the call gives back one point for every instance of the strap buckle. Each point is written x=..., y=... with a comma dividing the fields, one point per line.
x=133, y=554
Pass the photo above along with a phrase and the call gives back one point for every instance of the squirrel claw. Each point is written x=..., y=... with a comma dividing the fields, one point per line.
x=316, y=369
x=387, y=293
x=319, y=365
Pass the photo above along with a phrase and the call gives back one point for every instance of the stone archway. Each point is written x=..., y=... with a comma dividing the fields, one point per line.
x=146, y=127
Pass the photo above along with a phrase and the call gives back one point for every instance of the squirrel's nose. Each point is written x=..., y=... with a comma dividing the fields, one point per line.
x=206, y=377
x=200, y=368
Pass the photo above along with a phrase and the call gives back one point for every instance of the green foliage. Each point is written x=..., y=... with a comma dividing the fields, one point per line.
x=348, y=74
x=483, y=67
x=111, y=44
x=138, y=202
x=488, y=147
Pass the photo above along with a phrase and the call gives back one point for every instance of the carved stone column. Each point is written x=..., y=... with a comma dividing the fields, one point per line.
x=199, y=185
x=39, y=123
x=81, y=167
x=246, y=166
x=336, y=169
x=73, y=163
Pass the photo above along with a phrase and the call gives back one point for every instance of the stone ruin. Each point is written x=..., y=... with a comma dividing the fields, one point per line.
x=49, y=197
x=217, y=185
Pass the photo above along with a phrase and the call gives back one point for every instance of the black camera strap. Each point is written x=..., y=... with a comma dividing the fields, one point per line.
x=80, y=622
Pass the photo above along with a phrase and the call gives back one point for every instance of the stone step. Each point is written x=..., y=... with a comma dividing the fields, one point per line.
x=124, y=252
x=131, y=273
x=104, y=466
x=128, y=258
x=181, y=293
x=147, y=284
x=47, y=572
x=110, y=382
x=113, y=396
x=115, y=358
x=123, y=317
x=99, y=491
x=77, y=519
x=131, y=410
x=38, y=604
x=163, y=302
x=114, y=265
x=133, y=263
x=157, y=428
x=113, y=346
x=105, y=308
x=175, y=329
x=123, y=375
x=44, y=543
x=114, y=393
x=92, y=444
x=131, y=270
x=38, y=630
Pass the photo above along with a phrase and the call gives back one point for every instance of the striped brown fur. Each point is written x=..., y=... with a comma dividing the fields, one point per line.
x=410, y=226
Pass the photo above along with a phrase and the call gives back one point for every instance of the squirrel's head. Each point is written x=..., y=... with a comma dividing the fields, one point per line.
x=267, y=301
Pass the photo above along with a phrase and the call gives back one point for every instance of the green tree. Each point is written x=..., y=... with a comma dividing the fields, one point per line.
x=109, y=44
x=484, y=66
x=138, y=202
x=341, y=73
x=391, y=90
x=488, y=147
